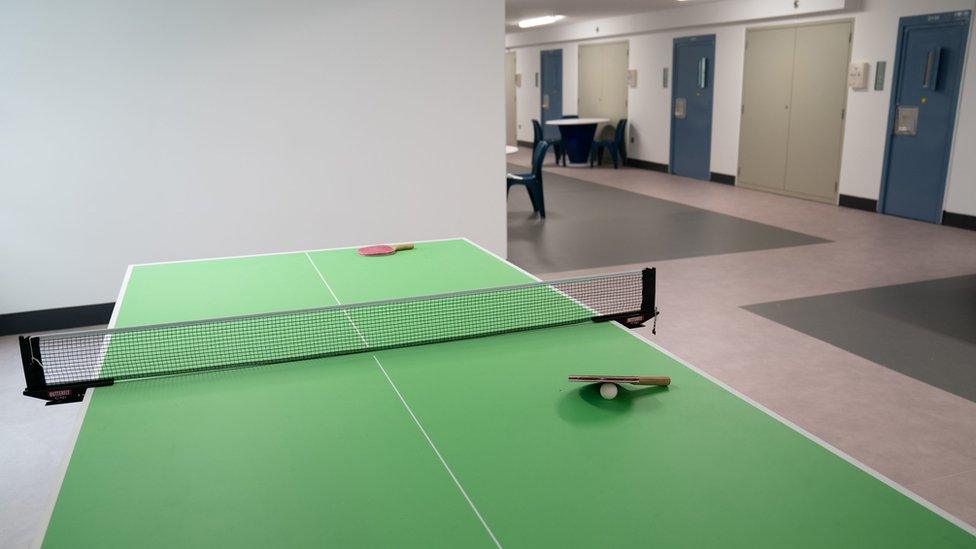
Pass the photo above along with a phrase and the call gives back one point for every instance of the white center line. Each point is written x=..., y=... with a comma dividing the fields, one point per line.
x=438, y=453
x=409, y=409
x=336, y=298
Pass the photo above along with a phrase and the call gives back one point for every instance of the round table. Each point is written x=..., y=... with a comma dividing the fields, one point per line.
x=577, y=136
x=510, y=149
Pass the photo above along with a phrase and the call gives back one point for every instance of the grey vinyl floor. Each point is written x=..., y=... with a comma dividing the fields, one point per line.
x=589, y=225
x=926, y=330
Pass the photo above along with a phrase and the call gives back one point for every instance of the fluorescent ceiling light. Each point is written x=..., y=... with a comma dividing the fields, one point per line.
x=537, y=21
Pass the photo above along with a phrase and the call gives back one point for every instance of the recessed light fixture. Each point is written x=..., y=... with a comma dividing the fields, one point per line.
x=538, y=21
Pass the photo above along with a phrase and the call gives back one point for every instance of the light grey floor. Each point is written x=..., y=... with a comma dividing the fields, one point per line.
x=926, y=330
x=34, y=444
x=589, y=225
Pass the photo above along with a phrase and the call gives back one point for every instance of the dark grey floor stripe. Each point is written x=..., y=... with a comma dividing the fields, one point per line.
x=926, y=330
x=591, y=225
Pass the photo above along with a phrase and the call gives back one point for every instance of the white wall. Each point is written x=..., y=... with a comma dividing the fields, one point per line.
x=961, y=190
x=144, y=131
x=681, y=16
x=875, y=37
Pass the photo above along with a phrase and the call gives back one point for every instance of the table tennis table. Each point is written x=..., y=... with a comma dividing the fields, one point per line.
x=472, y=443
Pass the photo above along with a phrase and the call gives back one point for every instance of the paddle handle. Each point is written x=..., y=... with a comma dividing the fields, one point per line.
x=403, y=246
x=652, y=380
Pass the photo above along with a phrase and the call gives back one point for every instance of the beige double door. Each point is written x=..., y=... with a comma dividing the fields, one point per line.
x=794, y=96
x=603, y=81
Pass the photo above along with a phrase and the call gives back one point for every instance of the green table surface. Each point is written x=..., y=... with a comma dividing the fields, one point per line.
x=472, y=443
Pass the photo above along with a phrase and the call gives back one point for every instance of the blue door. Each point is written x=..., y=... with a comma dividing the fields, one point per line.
x=551, y=88
x=691, y=106
x=925, y=89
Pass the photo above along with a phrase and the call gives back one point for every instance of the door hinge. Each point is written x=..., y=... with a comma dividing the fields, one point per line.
x=743, y=109
x=850, y=37
x=842, y=113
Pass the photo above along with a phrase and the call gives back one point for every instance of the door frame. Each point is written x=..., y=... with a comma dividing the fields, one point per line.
x=515, y=128
x=674, y=55
x=843, y=131
x=904, y=23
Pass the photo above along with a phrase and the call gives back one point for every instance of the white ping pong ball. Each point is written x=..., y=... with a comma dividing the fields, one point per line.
x=608, y=390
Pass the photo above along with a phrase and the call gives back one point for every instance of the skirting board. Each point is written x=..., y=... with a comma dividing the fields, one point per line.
x=645, y=165
x=723, y=178
x=949, y=219
x=961, y=221
x=715, y=177
x=858, y=203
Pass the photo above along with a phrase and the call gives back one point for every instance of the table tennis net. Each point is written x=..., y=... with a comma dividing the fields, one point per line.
x=59, y=367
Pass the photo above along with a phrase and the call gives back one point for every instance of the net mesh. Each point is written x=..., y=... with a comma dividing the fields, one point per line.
x=130, y=353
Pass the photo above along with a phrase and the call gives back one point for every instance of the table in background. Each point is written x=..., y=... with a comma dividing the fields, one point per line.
x=577, y=136
x=473, y=443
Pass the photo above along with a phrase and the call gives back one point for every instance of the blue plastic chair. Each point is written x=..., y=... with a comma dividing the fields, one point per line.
x=556, y=144
x=570, y=116
x=617, y=147
x=533, y=179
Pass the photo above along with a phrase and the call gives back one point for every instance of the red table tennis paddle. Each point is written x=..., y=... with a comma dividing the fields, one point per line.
x=384, y=249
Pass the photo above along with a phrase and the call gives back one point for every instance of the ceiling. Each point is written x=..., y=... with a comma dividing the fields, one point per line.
x=581, y=10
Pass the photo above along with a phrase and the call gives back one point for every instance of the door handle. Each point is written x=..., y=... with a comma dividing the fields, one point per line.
x=702, y=73
x=930, y=79
x=545, y=101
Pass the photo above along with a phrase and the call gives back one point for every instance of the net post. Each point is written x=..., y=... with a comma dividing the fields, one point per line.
x=649, y=296
x=37, y=386
x=648, y=292
x=30, y=349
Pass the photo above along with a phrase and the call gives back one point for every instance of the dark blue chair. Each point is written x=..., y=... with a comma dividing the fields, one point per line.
x=533, y=179
x=556, y=144
x=570, y=116
x=617, y=146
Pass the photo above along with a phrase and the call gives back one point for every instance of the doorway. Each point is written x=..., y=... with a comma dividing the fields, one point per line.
x=603, y=83
x=794, y=100
x=925, y=90
x=551, y=90
x=691, y=106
